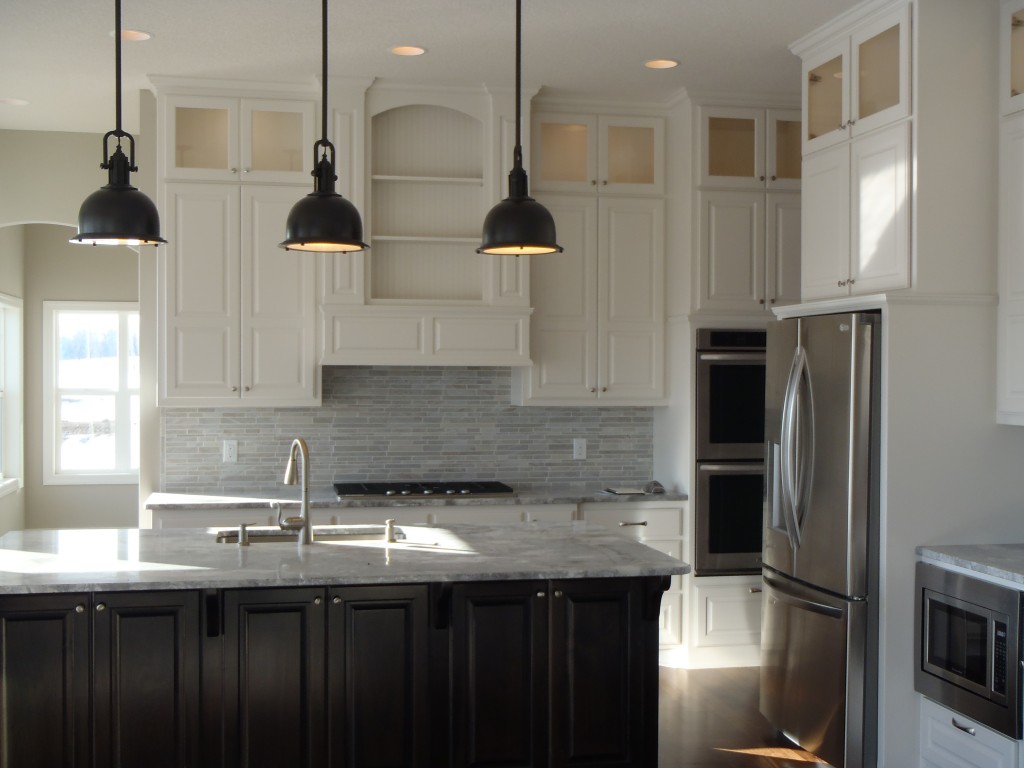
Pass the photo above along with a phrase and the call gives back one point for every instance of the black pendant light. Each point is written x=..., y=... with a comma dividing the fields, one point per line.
x=323, y=220
x=118, y=213
x=518, y=225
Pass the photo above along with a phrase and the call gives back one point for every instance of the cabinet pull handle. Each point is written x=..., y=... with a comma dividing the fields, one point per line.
x=851, y=281
x=626, y=523
x=841, y=283
x=79, y=608
x=965, y=728
x=101, y=607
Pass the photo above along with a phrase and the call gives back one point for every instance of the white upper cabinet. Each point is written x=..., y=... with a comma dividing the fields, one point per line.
x=598, y=153
x=749, y=148
x=238, y=314
x=858, y=81
x=1011, y=53
x=221, y=138
x=598, y=323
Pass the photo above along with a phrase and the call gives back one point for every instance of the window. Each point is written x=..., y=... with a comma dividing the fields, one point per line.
x=10, y=395
x=91, y=386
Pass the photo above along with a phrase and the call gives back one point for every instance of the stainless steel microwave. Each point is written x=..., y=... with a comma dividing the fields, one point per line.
x=968, y=654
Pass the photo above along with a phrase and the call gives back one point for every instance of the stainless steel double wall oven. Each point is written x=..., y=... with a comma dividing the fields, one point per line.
x=729, y=451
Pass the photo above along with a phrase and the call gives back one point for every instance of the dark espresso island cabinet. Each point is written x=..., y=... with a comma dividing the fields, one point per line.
x=237, y=673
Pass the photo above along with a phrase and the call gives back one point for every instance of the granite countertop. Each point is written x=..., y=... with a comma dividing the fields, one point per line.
x=326, y=498
x=83, y=560
x=1001, y=561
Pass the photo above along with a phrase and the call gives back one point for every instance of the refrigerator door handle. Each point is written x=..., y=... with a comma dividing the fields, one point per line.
x=788, y=457
x=783, y=596
x=803, y=410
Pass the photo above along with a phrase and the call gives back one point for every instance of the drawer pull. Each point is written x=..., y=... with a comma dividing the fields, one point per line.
x=965, y=728
x=755, y=590
x=625, y=523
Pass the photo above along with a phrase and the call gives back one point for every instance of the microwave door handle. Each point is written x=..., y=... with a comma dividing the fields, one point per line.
x=786, y=454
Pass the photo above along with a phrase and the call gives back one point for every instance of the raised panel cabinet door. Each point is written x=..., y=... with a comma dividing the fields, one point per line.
x=1010, y=331
x=880, y=210
x=825, y=224
x=273, y=678
x=199, y=294
x=499, y=673
x=44, y=699
x=631, y=299
x=732, y=250
x=378, y=661
x=599, y=648
x=278, y=304
x=146, y=679
x=563, y=290
x=782, y=248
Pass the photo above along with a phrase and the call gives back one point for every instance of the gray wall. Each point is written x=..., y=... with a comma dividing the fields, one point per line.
x=399, y=423
x=12, y=257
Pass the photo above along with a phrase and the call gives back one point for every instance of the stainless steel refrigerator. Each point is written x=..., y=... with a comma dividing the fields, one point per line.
x=820, y=560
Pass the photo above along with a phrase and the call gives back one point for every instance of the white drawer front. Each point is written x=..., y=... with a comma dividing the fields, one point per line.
x=637, y=521
x=727, y=614
x=943, y=745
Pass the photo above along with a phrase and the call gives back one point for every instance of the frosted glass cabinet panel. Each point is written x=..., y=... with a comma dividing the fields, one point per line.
x=732, y=146
x=1011, y=56
x=750, y=148
x=858, y=83
x=214, y=138
x=609, y=154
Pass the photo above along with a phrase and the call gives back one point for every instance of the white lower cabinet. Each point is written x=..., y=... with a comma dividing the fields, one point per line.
x=950, y=740
x=503, y=515
x=727, y=613
x=227, y=517
x=661, y=526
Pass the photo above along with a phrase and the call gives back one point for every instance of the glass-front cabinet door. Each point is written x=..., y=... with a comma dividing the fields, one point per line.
x=1011, y=66
x=859, y=83
x=227, y=139
x=597, y=154
x=749, y=148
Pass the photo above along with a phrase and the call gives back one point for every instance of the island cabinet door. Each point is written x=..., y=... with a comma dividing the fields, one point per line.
x=378, y=667
x=499, y=664
x=146, y=679
x=600, y=652
x=44, y=696
x=273, y=685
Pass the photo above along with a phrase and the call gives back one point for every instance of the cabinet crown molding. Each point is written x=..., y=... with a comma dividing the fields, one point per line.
x=844, y=22
x=202, y=86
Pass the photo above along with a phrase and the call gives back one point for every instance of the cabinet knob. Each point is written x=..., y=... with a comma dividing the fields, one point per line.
x=541, y=594
x=101, y=607
x=593, y=389
x=842, y=126
x=234, y=389
x=774, y=178
x=604, y=182
x=233, y=170
x=593, y=182
x=336, y=600
x=317, y=601
x=761, y=178
x=558, y=593
x=79, y=608
x=773, y=301
x=246, y=389
x=604, y=389
x=760, y=301
x=851, y=121
x=841, y=283
x=246, y=170
x=851, y=281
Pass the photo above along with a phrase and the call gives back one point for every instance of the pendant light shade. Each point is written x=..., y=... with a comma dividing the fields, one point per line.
x=118, y=213
x=323, y=221
x=518, y=225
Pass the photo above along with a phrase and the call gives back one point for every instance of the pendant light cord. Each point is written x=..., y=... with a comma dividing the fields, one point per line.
x=517, y=152
x=323, y=76
x=117, y=64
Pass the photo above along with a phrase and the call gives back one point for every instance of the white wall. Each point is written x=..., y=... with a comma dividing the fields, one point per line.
x=12, y=246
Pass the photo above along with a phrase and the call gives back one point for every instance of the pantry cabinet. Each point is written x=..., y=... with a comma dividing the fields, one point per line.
x=749, y=147
x=856, y=216
x=226, y=138
x=604, y=154
x=859, y=80
x=238, y=314
x=598, y=325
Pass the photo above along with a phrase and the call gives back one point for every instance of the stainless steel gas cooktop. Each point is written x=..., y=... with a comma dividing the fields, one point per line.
x=451, y=488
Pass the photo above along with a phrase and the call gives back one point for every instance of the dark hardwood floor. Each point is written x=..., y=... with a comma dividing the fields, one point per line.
x=708, y=718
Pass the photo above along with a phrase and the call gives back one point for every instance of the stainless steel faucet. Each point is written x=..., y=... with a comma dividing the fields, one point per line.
x=301, y=523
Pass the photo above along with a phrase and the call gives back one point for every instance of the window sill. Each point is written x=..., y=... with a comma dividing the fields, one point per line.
x=9, y=485
x=84, y=479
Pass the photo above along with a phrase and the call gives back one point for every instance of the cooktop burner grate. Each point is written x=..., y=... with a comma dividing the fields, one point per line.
x=453, y=488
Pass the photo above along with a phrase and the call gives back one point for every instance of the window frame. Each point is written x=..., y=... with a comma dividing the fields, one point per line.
x=51, y=395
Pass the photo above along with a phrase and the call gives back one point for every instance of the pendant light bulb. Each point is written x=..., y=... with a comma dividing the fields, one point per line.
x=118, y=213
x=518, y=225
x=323, y=221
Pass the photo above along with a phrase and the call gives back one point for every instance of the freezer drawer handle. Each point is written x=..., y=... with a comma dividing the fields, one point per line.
x=965, y=728
x=782, y=596
x=624, y=523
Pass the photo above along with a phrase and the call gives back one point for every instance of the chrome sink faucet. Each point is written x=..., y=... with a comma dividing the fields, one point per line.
x=301, y=523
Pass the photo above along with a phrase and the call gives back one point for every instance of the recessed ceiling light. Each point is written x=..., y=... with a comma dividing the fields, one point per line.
x=408, y=50
x=12, y=102
x=133, y=35
x=661, y=64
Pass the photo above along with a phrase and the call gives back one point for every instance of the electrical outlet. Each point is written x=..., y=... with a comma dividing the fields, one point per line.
x=230, y=451
x=579, y=447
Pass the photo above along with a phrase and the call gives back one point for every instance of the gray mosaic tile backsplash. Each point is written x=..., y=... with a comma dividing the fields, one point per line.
x=408, y=423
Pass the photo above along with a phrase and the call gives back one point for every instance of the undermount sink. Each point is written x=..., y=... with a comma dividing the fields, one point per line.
x=270, y=534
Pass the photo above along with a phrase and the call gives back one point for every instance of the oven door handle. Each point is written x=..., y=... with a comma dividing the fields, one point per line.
x=740, y=357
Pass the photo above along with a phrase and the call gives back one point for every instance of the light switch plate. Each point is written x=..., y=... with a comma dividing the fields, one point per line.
x=230, y=451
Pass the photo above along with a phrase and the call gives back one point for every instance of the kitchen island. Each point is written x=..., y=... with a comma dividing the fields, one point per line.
x=532, y=644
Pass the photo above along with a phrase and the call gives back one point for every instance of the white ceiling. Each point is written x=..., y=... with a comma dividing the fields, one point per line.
x=59, y=54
